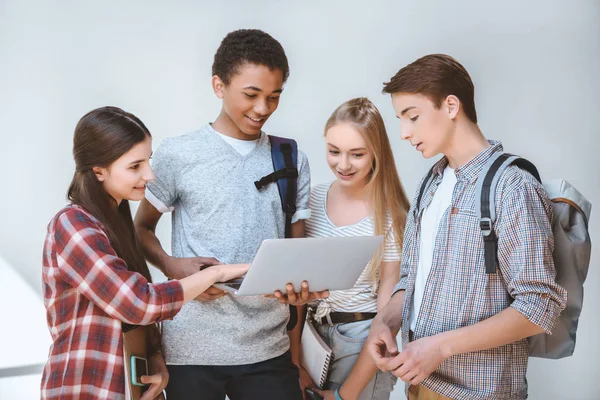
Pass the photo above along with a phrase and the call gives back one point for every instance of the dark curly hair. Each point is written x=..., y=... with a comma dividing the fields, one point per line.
x=248, y=46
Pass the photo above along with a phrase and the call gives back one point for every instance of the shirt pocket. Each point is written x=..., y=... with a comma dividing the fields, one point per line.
x=465, y=240
x=465, y=269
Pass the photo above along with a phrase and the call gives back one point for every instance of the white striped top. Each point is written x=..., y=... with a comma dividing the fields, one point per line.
x=362, y=297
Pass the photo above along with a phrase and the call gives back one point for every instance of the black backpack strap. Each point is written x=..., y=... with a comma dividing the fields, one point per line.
x=284, y=153
x=487, y=214
x=424, y=186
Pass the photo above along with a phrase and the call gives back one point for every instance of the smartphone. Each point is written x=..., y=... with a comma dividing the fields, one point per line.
x=139, y=368
x=312, y=395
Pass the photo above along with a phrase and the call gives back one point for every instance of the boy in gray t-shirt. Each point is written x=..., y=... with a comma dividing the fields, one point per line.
x=223, y=344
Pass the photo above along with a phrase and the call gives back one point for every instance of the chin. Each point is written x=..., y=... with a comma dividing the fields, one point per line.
x=136, y=197
x=428, y=154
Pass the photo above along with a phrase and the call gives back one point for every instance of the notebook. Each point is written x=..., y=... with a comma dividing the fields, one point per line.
x=316, y=355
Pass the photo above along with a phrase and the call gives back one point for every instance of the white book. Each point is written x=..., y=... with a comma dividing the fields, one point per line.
x=316, y=355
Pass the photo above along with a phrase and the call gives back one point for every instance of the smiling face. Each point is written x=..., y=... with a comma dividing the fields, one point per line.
x=249, y=99
x=126, y=177
x=348, y=155
x=425, y=126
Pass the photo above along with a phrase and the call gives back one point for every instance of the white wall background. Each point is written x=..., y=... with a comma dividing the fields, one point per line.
x=535, y=66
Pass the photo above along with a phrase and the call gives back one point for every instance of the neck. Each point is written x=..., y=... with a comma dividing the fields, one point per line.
x=466, y=143
x=355, y=192
x=223, y=124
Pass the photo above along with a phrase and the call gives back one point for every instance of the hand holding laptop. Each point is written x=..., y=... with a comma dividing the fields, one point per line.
x=298, y=298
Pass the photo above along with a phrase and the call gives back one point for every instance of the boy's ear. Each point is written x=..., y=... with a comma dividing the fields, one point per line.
x=218, y=86
x=452, y=105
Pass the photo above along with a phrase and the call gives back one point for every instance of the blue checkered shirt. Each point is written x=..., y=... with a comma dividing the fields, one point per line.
x=458, y=291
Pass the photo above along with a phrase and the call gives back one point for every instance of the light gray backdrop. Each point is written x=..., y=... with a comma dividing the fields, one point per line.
x=534, y=64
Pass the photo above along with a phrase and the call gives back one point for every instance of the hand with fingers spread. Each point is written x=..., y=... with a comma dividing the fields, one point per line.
x=418, y=360
x=299, y=298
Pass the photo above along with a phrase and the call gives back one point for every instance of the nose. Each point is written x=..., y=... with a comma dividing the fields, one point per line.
x=148, y=174
x=261, y=107
x=405, y=132
x=344, y=164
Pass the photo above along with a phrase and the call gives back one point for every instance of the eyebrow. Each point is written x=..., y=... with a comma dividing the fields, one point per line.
x=260, y=90
x=142, y=160
x=407, y=109
x=356, y=149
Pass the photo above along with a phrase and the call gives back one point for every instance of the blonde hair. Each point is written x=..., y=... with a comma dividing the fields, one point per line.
x=387, y=196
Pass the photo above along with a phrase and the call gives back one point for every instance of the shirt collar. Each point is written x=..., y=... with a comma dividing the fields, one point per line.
x=470, y=171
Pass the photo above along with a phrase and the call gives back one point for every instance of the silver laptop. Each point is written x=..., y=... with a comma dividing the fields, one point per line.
x=333, y=263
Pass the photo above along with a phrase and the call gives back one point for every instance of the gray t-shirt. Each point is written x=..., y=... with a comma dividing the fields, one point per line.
x=218, y=212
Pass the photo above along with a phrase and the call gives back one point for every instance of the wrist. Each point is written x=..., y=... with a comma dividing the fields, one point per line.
x=217, y=273
x=336, y=393
x=166, y=262
x=444, y=342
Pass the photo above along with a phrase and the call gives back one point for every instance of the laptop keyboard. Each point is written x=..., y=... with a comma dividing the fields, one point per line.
x=234, y=283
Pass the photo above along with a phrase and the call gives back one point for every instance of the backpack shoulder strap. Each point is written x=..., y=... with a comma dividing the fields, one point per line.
x=424, y=186
x=284, y=153
x=486, y=207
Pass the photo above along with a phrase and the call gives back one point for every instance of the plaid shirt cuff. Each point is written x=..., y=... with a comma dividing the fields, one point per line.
x=540, y=309
x=171, y=293
x=400, y=285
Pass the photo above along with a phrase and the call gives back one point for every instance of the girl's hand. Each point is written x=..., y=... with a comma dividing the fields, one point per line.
x=158, y=380
x=230, y=271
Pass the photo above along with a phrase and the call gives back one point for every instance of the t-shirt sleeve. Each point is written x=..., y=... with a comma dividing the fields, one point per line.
x=303, y=190
x=162, y=191
x=391, y=250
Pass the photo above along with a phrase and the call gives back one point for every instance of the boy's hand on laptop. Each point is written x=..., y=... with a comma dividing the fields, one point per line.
x=298, y=298
x=210, y=294
x=418, y=360
x=179, y=268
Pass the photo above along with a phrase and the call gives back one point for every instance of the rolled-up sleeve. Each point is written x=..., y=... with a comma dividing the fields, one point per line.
x=303, y=190
x=525, y=246
x=409, y=249
x=88, y=263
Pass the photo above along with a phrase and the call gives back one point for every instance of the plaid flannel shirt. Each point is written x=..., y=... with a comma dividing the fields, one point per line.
x=458, y=291
x=88, y=292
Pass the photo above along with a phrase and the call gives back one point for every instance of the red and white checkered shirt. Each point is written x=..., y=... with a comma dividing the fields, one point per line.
x=458, y=291
x=88, y=292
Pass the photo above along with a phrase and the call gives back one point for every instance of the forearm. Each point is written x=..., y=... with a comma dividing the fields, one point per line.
x=390, y=272
x=365, y=369
x=391, y=314
x=153, y=250
x=361, y=374
x=503, y=328
x=197, y=283
x=296, y=335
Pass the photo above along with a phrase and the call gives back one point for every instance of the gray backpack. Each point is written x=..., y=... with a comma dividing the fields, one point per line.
x=572, y=247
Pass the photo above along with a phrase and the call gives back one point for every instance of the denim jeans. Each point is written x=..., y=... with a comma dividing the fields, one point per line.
x=346, y=341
